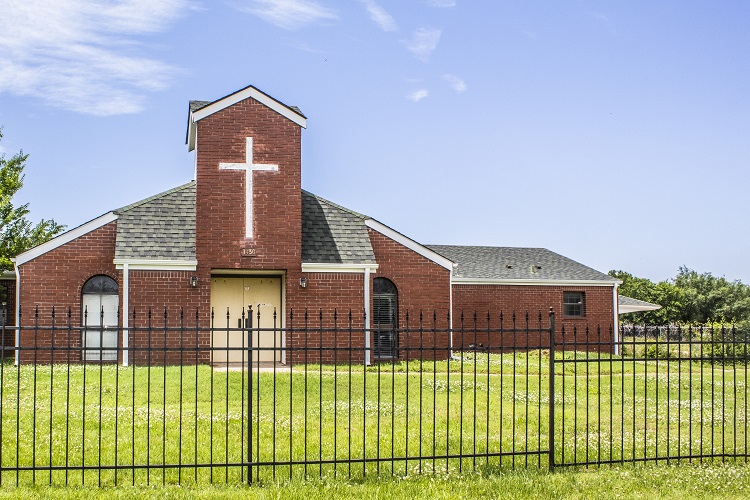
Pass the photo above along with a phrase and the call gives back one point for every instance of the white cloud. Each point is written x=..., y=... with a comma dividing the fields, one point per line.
x=423, y=42
x=418, y=95
x=379, y=16
x=288, y=14
x=455, y=83
x=441, y=3
x=84, y=55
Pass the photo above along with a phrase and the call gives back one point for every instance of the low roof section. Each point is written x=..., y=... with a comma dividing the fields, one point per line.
x=512, y=265
x=630, y=305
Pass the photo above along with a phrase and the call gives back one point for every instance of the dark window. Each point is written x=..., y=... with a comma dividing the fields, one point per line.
x=99, y=318
x=574, y=304
x=385, y=318
x=100, y=284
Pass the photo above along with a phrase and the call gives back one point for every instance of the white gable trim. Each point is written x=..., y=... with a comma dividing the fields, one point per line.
x=313, y=267
x=65, y=238
x=156, y=265
x=225, y=102
x=409, y=243
x=526, y=282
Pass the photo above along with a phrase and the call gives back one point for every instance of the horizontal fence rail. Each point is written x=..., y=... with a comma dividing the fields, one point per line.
x=177, y=398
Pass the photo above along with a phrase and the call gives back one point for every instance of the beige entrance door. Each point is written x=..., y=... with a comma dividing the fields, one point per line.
x=230, y=299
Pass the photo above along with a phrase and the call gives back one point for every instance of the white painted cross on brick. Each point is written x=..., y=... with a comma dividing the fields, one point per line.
x=249, y=167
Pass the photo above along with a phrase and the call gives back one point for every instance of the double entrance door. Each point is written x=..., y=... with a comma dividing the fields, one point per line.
x=231, y=300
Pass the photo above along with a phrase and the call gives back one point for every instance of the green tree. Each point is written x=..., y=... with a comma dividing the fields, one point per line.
x=711, y=299
x=17, y=232
x=691, y=297
x=664, y=293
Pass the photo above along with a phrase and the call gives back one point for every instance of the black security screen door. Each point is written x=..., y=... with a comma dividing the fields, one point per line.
x=385, y=318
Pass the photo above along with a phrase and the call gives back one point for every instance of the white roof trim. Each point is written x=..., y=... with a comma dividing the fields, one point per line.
x=157, y=265
x=528, y=282
x=64, y=238
x=313, y=267
x=241, y=95
x=409, y=243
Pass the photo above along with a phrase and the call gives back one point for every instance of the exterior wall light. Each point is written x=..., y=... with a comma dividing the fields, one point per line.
x=303, y=282
x=194, y=281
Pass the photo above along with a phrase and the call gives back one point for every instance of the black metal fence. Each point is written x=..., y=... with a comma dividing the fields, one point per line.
x=221, y=404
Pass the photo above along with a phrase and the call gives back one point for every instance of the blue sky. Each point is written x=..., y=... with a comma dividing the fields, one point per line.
x=615, y=133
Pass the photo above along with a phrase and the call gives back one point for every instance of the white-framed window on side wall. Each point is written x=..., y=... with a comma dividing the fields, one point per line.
x=574, y=304
x=99, y=303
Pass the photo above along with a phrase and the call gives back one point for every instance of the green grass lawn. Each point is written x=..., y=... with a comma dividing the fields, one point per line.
x=651, y=481
x=384, y=418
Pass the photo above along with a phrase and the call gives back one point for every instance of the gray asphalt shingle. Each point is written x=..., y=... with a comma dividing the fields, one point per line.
x=161, y=227
x=511, y=263
x=332, y=234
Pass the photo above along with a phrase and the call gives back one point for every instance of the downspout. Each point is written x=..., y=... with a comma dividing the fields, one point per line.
x=126, y=308
x=367, y=316
x=616, y=322
x=18, y=312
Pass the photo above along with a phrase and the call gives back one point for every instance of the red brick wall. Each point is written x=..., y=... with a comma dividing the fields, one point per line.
x=175, y=310
x=277, y=198
x=55, y=279
x=510, y=299
x=423, y=286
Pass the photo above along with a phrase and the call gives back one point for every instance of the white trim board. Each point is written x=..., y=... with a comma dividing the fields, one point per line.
x=409, y=243
x=241, y=95
x=312, y=267
x=525, y=282
x=156, y=265
x=64, y=238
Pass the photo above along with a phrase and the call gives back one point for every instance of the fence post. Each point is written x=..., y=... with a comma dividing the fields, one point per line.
x=551, y=389
x=249, y=328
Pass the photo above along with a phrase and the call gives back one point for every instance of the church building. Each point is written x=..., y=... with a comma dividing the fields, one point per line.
x=244, y=239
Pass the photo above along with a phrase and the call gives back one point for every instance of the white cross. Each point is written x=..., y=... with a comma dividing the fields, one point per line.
x=248, y=167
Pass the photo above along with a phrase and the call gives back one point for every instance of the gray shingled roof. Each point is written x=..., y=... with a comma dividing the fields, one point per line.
x=196, y=105
x=161, y=227
x=624, y=300
x=509, y=263
x=332, y=234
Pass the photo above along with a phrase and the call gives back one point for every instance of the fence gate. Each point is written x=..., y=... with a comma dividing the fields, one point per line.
x=474, y=397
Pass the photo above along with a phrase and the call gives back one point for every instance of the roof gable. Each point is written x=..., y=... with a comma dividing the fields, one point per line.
x=202, y=109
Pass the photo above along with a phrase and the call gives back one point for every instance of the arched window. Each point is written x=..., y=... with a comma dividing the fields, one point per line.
x=385, y=318
x=99, y=304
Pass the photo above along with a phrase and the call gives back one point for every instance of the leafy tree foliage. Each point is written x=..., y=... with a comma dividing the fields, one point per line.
x=17, y=232
x=690, y=297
